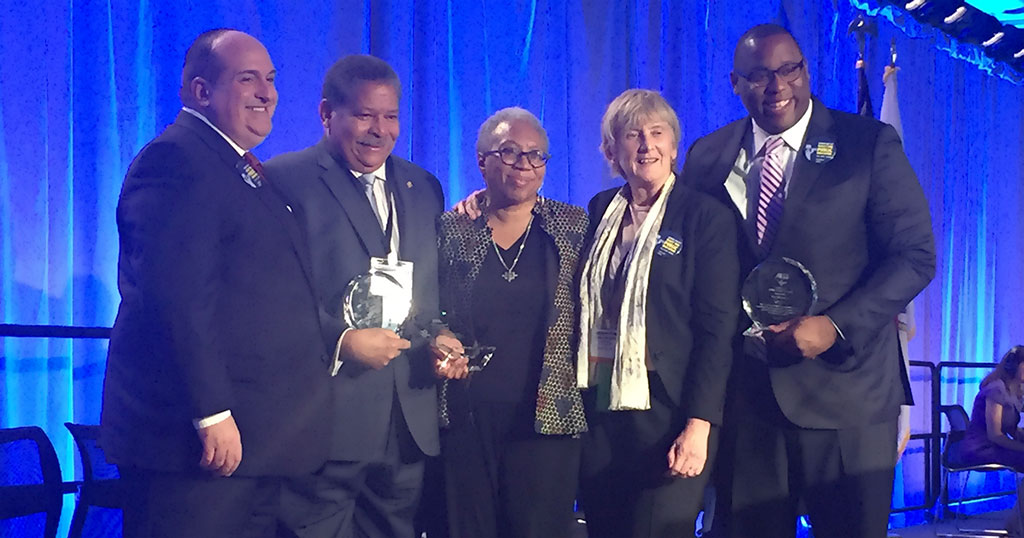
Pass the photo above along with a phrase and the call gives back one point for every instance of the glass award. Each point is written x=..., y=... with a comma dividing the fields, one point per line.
x=776, y=291
x=376, y=300
x=477, y=355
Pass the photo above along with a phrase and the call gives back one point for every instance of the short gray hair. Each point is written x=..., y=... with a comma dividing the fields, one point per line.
x=488, y=130
x=630, y=109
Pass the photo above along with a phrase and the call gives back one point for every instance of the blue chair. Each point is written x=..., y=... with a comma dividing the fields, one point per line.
x=31, y=488
x=101, y=499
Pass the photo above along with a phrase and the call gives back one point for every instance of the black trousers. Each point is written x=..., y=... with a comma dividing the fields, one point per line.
x=199, y=505
x=625, y=488
x=505, y=480
x=361, y=499
x=843, y=477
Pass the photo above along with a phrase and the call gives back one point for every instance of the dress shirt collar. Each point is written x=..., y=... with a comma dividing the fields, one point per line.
x=379, y=173
x=214, y=127
x=793, y=137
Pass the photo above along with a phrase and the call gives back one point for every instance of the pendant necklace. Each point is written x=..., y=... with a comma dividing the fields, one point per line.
x=509, y=275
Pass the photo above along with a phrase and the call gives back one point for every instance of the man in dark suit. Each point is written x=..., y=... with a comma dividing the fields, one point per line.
x=815, y=416
x=216, y=345
x=360, y=203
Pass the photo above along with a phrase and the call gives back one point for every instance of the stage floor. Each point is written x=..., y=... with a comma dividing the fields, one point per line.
x=947, y=528
x=941, y=529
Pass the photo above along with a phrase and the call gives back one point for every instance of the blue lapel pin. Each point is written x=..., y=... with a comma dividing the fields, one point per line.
x=669, y=245
x=820, y=150
x=249, y=174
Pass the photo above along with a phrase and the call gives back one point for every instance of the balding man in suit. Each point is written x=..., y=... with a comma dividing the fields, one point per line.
x=216, y=387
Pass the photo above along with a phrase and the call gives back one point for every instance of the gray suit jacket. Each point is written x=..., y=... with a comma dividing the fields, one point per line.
x=343, y=235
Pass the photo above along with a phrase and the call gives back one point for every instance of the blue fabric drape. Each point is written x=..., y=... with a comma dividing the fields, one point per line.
x=83, y=85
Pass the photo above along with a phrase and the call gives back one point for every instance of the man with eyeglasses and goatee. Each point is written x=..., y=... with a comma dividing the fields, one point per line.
x=812, y=415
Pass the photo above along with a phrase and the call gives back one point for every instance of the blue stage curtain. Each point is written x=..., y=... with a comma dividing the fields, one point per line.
x=83, y=85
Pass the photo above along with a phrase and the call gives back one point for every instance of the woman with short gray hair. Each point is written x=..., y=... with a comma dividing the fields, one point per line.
x=658, y=308
x=510, y=443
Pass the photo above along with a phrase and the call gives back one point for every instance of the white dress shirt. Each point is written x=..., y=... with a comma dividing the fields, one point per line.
x=202, y=118
x=741, y=180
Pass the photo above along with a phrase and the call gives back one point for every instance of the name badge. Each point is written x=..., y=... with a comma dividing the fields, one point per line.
x=602, y=345
x=392, y=281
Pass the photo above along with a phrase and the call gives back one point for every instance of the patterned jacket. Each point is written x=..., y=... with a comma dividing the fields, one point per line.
x=463, y=245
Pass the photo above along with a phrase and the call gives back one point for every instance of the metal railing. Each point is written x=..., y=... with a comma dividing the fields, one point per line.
x=52, y=331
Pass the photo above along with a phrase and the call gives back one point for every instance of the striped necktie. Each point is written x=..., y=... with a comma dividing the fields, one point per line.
x=769, y=203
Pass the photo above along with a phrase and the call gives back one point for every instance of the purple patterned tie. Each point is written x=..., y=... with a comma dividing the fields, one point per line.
x=769, y=203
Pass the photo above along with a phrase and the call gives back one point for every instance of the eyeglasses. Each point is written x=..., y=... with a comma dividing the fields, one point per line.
x=510, y=156
x=787, y=72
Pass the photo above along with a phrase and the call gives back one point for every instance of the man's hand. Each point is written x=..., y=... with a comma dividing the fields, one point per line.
x=806, y=337
x=222, y=447
x=470, y=206
x=689, y=452
x=450, y=361
x=373, y=348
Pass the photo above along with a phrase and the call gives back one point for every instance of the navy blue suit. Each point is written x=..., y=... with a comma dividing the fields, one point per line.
x=860, y=223
x=217, y=312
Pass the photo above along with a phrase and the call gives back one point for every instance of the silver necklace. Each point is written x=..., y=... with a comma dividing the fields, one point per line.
x=509, y=275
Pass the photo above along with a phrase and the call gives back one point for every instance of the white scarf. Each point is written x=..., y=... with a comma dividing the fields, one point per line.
x=629, y=387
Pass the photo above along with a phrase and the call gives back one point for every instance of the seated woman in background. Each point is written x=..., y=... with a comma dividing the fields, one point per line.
x=993, y=435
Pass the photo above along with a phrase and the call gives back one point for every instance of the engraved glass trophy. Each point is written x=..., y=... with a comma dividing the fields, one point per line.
x=776, y=291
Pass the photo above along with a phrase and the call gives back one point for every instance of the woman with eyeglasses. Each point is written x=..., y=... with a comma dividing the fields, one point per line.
x=510, y=443
x=659, y=306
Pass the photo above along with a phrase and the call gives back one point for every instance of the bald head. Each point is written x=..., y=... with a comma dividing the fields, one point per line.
x=751, y=37
x=200, y=61
x=229, y=78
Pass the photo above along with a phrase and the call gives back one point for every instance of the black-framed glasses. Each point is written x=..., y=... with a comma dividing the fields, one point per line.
x=788, y=72
x=510, y=156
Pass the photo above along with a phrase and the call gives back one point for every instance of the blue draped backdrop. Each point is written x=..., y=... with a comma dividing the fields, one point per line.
x=83, y=85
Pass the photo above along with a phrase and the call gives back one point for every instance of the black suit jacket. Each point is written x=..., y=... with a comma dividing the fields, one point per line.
x=217, y=312
x=343, y=234
x=691, y=300
x=860, y=224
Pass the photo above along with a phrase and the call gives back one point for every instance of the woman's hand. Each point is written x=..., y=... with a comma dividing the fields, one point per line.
x=689, y=452
x=450, y=361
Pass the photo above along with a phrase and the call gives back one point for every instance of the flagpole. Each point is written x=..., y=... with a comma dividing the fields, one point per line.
x=861, y=27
